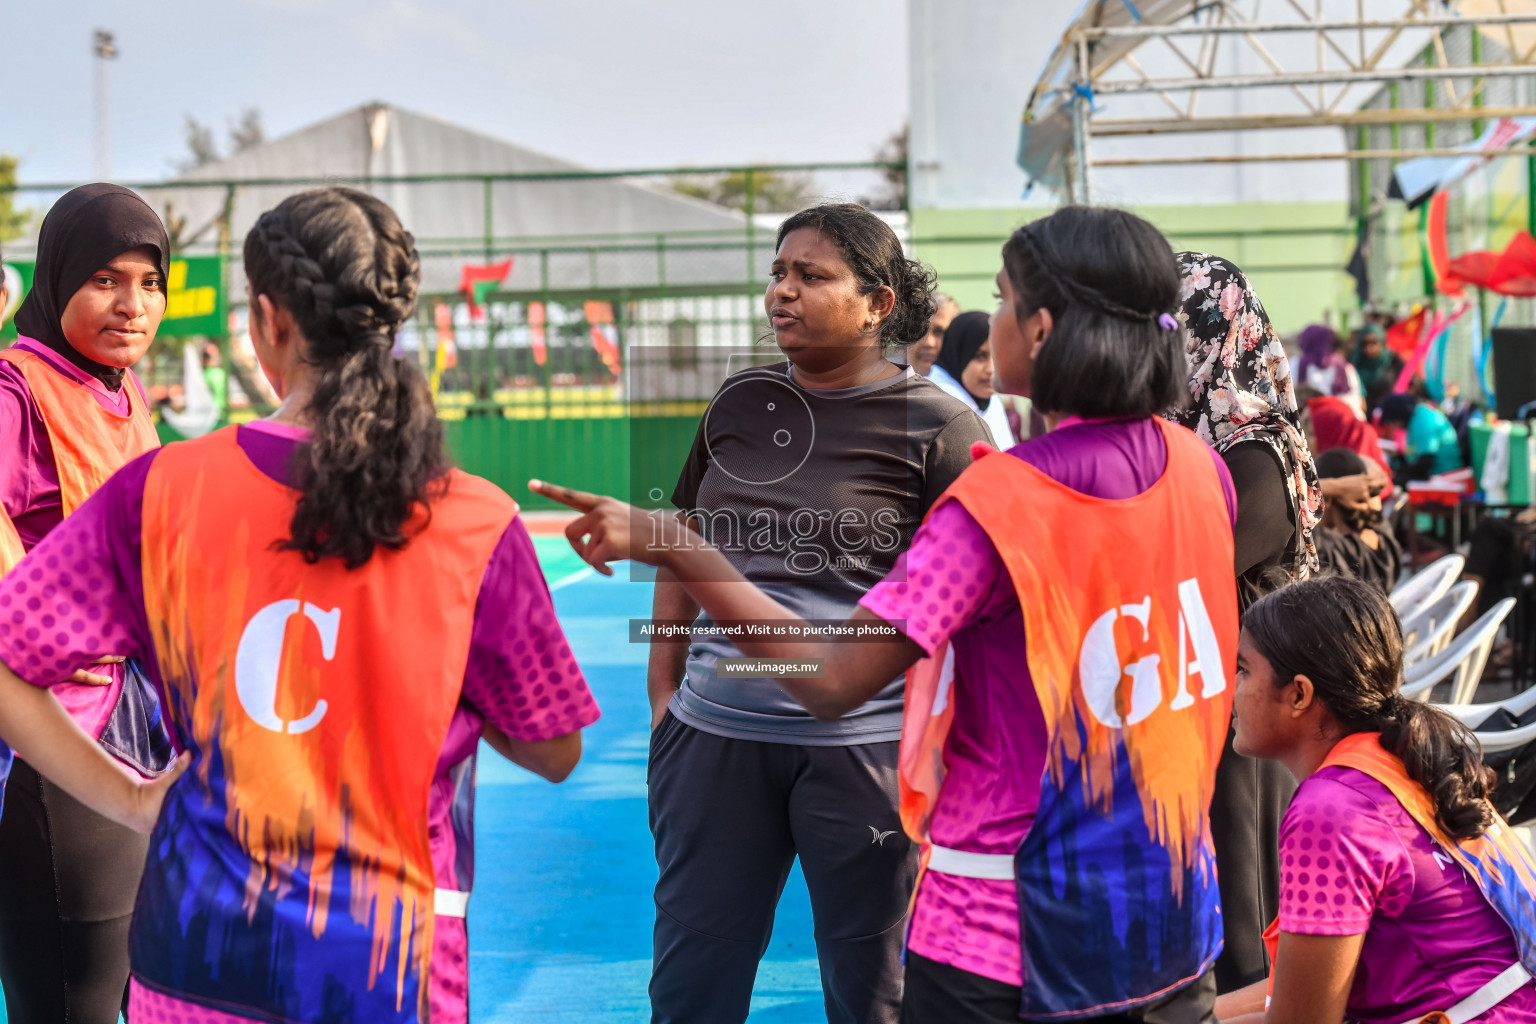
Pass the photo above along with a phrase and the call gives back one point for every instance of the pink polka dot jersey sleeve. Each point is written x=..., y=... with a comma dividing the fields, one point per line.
x=942, y=581
x=521, y=674
x=1339, y=860
x=78, y=596
x=1355, y=862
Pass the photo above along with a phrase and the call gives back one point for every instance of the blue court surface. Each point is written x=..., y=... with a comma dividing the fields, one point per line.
x=560, y=920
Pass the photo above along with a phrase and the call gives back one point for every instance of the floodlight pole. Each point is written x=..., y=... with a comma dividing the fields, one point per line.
x=104, y=46
x=1082, y=104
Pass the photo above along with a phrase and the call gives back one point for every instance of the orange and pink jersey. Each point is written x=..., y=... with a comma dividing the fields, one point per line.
x=310, y=855
x=1100, y=761
x=63, y=433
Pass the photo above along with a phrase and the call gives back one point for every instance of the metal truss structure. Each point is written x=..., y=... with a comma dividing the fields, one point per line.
x=1314, y=63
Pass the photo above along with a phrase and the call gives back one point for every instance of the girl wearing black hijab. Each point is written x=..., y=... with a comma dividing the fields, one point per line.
x=964, y=369
x=72, y=414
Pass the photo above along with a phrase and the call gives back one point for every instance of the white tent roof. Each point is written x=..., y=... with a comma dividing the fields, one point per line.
x=449, y=218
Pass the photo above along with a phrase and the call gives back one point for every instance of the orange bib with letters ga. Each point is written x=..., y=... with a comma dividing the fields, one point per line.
x=292, y=867
x=1130, y=616
x=89, y=442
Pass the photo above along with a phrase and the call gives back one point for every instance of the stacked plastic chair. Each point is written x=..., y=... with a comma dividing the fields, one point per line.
x=1428, y=630
x=1460, y=662
x=1426, y=585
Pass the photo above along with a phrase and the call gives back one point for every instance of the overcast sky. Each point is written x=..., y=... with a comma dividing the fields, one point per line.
x=606, y=83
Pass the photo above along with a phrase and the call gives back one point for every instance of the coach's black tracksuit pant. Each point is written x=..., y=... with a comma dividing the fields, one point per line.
x=729, y=816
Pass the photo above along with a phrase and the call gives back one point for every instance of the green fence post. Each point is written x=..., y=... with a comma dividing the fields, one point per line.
x=1429, y=104
x=549, y=334
x=1530, y=194
x=1363, y=141
x=1393, y=101
x=1477, y=87
x=751, y=211
x=490, y=224
x=1425, y=267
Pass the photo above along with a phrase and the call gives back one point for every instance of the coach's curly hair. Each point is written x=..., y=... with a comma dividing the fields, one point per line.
x=1344, y=636
x=341, y=263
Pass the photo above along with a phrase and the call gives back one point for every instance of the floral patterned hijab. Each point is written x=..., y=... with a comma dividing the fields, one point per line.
x=1240, y=384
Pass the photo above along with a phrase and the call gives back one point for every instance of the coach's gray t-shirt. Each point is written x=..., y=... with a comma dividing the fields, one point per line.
x=812, y=495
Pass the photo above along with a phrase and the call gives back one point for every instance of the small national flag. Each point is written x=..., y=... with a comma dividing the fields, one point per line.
x=600, y=316
x=478, y=282
x=536, y=321
x=1404, y=336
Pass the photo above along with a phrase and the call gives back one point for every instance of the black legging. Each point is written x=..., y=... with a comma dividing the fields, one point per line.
x=67, y=888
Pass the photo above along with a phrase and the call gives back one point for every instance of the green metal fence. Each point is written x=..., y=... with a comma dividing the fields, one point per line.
x=591, y=362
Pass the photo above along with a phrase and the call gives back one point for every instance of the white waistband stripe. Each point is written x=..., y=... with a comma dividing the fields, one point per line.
x=1490, y=995
x=996, y=866
x=450, y=903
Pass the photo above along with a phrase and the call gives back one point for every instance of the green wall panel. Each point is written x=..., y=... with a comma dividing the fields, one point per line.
x=1294, y=253
x=636, y=459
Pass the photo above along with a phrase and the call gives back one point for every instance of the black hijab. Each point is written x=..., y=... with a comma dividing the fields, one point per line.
x=963, y=338
x=84, y=231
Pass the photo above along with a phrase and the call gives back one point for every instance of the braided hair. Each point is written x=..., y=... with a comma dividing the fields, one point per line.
x=1343, y=635
x=341, y=263
x=1111, y=283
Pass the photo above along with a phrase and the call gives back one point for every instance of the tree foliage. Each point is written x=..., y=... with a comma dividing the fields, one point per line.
x=244, y=131
x=772, y=191
x=14, y=220
x=892, y=195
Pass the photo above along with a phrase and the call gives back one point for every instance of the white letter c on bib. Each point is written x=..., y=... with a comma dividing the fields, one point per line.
x=260, y=655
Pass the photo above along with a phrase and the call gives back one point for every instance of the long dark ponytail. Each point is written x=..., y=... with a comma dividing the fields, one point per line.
x=341, y=263
x=1343, y=636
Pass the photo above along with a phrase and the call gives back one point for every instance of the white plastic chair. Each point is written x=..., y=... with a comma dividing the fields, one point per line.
x=1462, y=662
x=1426, y=585
x=1430, y=629
x=1474, y=715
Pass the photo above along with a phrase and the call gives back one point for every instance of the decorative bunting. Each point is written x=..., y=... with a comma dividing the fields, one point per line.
x=600, y=316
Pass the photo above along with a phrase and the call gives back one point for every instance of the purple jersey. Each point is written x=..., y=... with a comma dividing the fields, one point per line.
x=995, y=755
x=1354, y=862
x=80, y=594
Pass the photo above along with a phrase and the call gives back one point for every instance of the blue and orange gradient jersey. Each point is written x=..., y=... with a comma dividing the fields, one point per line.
x=1130, y=614
x=290, y=875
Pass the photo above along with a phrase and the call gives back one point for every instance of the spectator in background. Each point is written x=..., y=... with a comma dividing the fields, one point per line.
x=1323, y=365
x=217, y=377
x=922, y=352
x=1432, y=446
x=1496, y=556
x=1377, y=366
x=1350, y=540
x=1244, y=406
x=964, y=369
x=1329, y=422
